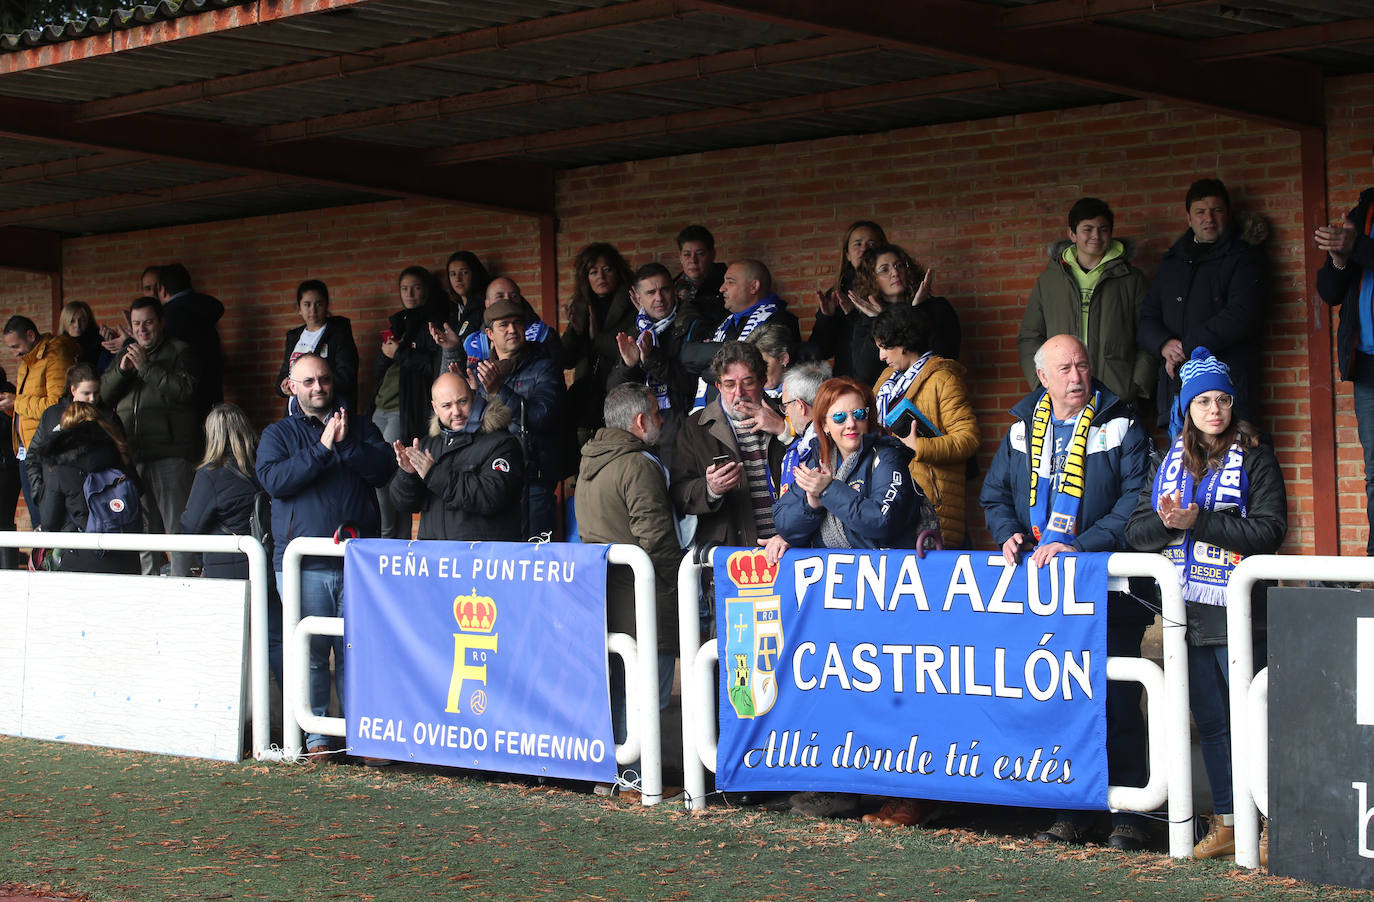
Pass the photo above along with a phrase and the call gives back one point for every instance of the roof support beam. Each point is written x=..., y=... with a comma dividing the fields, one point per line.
x=616, y=80
x=1278, y=92
x=151, y=34
x=1286, y=40
x=719, y=117
x=136, y=199
x=1062, y=12
x=509, y=186
x=82, y=165
x=635, y=12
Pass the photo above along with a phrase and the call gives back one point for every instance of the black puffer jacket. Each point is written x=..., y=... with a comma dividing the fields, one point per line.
x=1212, y=296
x=221, y=503
x=473, y=491
x=69, y=456
x=1341, y=287
x=1260, y=532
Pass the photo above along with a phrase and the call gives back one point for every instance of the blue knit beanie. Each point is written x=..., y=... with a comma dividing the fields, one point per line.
x=1200, y=373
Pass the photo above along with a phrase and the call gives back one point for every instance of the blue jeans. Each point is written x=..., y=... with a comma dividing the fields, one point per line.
x=1363, y=378
x=322, y=596
x=543, y=509
x=1209, y=687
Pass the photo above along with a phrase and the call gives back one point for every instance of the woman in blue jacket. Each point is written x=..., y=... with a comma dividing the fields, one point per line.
x=859, y=494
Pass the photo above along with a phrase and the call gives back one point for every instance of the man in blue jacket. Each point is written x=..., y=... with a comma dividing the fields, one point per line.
x=321, y=466
x=1076, y=424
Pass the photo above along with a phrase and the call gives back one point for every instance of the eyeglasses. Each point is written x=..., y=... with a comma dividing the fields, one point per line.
x=310, y=382
x=1221, y=402
x=889, y=268
x=859, y=415
x=788, y=403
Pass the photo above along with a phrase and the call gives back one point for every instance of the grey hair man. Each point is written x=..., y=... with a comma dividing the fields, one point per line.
x=622, y=496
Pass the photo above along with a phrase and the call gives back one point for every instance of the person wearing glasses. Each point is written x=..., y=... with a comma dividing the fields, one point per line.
x=322, y=466
x=852, y=492
x=1076, y=425
x=1217, y=497
x=855, y=493
x=887, y=276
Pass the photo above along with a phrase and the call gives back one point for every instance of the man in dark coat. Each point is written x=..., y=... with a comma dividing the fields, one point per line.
x=1115, y=462
x=1211, y=291
x=467, y=478
x=725, y=467
x=191, y=317
x=523, y=376
x=1347, y=281
x=322, y=466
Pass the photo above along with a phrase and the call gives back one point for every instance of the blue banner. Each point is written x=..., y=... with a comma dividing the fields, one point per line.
x=951, y=677
x=488, y=655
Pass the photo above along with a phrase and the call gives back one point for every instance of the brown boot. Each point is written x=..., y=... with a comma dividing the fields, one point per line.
x=1220, y=841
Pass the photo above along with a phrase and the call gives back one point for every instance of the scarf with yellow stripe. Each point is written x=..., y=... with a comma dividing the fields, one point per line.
x=1054, y=511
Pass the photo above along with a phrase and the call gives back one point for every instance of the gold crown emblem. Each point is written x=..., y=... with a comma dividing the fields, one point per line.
x=750, y=569
x=474, y=613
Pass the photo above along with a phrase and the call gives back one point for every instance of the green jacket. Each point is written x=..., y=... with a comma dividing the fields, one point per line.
x=157, y=402
x=1055, y=308
x=622, y=496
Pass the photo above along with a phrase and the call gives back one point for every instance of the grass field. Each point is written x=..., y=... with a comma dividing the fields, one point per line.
x=130, y=826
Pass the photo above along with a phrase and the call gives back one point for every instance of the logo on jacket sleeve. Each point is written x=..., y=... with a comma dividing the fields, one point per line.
x=501, y=465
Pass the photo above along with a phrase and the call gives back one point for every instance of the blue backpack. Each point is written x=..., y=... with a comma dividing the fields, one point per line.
x=112, y=500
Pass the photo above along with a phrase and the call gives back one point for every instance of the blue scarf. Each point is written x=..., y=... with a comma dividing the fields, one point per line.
x=1203, y=568
x=752, y=318
x=896, y=385
x=478, y=347
x=1054, y=510
x=798, y=453
x=644, y=324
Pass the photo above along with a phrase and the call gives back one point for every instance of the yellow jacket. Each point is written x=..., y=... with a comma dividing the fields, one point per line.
x=41, y=382
x=940, y=464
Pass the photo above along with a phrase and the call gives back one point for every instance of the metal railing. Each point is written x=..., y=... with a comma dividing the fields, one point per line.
x=643, y=738
x=1171, y=775
x=258, y=575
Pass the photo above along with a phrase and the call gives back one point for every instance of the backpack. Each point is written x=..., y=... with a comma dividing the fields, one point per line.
x=112, y=501
x=259, y=515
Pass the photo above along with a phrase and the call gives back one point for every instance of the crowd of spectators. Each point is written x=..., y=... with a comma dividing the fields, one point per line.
x=692, y=410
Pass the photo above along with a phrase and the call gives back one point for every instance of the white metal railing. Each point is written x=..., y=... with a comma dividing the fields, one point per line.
x=259, y=572
x=643, y=727
x=1246, y=773
x=1171, y=773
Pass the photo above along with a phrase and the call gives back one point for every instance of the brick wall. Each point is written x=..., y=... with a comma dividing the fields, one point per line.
x=977, y=201
x=254, y=266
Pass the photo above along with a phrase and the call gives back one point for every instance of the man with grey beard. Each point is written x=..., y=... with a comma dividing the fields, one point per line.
x=726, y=467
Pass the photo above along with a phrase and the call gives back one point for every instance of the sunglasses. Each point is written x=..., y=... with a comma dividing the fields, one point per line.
x=859, y=415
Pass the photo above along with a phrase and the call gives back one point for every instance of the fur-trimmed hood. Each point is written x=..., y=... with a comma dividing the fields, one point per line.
x=487, y=416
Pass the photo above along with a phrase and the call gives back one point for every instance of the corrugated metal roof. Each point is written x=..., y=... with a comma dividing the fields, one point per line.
x=425, y=84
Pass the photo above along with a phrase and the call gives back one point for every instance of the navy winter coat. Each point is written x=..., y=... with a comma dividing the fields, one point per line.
x=878, y=504
x=1341, y=287
x=314, y=489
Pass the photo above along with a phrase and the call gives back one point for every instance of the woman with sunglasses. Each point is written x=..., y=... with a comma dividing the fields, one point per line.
x=1217, y=497
x=857, y=495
